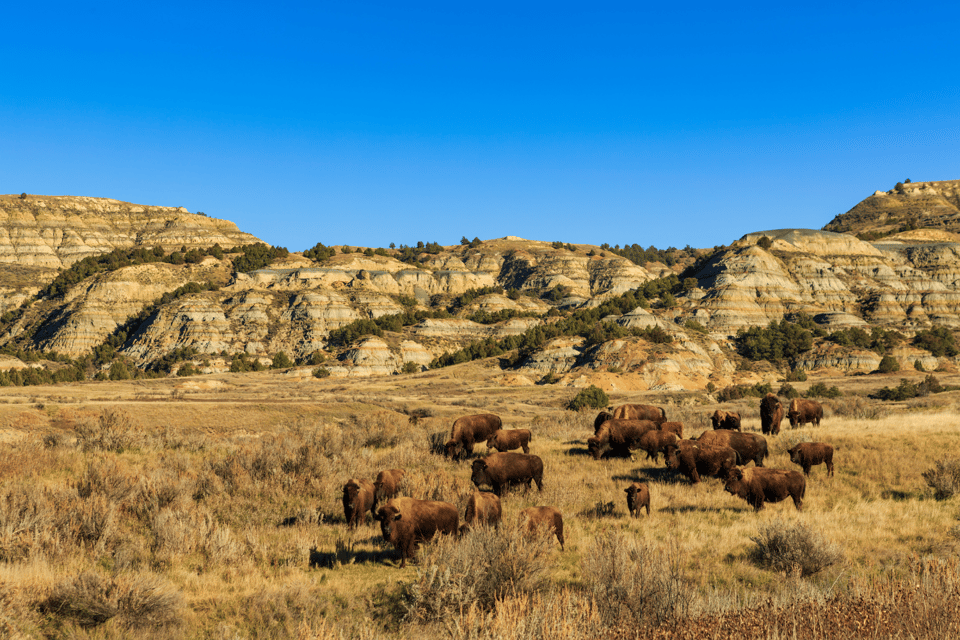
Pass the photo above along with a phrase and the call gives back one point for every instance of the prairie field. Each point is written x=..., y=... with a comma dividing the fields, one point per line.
x=211, y=508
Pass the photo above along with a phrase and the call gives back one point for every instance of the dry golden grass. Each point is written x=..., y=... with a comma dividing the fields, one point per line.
x=213, y=510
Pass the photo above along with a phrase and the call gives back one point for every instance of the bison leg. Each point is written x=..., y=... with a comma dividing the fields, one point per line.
x=798, y=501
x=806, y=468
x=539, y=480
x=829, y=467
x=526, y=449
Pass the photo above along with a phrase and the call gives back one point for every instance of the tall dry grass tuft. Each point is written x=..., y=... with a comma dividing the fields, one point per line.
x=484, y=566
x=635, y=582
x=944, y=478
x=114, y=430
x=793, y=548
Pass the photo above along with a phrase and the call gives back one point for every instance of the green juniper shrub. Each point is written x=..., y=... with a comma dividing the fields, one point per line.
x=939, y=341
x=888, y=364
x=593, y=397
x=820, y=390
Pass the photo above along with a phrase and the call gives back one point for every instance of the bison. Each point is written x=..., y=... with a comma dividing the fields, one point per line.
x=387, y=484
x=725, y=420
x=500, y=470
x=504, y=440
x=759, y=485
x=405, y=522
x=620, y=435
x=602, y=417
x=675, y=428
x=545, y=517
x=771, y=414
x=693, y=459
x=804, y=411
x=807, y=454
x=469, y=430
x=359, y=496
x=640, y=412
x=638, y=497
x=749, y=446
x=655, y=441
x=483, y=508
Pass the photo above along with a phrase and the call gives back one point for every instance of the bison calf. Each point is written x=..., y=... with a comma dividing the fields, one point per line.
x=808, y=454
x=694, y=460
x=803, y=411
x=759, y=484
x=653, y=442
x=469, y=430
x=359, y=496
x=387, y=484
x=545, y=517
x=483, y=509
x=638, y=497
x=504, y=440
x=405, y=522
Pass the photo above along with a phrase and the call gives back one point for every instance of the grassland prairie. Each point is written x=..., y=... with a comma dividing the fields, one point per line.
x=211, y=508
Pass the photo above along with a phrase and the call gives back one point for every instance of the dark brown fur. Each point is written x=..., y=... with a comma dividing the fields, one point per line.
x=760, y=485
x=504, y=440
x=500, y=470
x=725, y=420
x=808, y=454
x=675, y=428
x=656, y=441
x=387, y=484
x=602, y=417
x=771, y=414
x=405, y=522
x=694, y=460
x=546, y=517
x=749, y=446
x=620, y=435
x=483, y=509
x=638, y=497
x=640, y=412
x=803, y=411
x=469, y=430
x=358, y=498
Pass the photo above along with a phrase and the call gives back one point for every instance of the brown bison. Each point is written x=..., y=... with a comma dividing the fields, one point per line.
x=543, y=517
x=387, y=484
x=500, y=470
x=771, y=414
x=655, y=441
x=749, y=446
x=602, y=417
x=807, y=454
x=638, y=497
x=469, y=430
x=675, y=428
x=483, y=508
x=504, y=440
x=640, y=412
x=405, y=522
x=804, y=411
x=693, y=459
x=759, y=485
x=725, y=420
x=620, y=435
x=359, y=496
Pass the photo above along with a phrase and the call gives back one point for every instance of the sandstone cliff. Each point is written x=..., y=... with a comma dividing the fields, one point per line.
x=931, y=205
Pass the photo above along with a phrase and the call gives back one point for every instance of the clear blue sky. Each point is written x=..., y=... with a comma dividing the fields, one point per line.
x=371, y=123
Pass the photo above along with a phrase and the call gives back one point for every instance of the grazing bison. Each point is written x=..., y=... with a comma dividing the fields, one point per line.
x=675, y=428
x=804, y=411
x=638, y=497
x=725, y=420
x=693, y=459
x=500, y=470
x=545, y=517
x=387, y=484
x=504, y=440
x=655, y=441
x=405, y=522
x=602, y=417
x=640, y=412
x=807, y=454
x=620, y=435
x=483, y=509
x=771, y=414
x=469, y=430
x=749, y=446
x=759, y=485
x=359, y=496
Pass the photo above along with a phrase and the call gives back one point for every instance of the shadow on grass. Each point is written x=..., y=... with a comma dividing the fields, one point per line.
x=340, y=557
x=695, y=509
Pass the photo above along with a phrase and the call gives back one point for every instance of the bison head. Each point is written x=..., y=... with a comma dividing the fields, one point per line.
x=717, y=419
x=632, y=495
x=387, y=515
x=481, y=474
x=670, y=456
x=454, y=449
x=794, y=454
x=593, y=446
x=734, y=481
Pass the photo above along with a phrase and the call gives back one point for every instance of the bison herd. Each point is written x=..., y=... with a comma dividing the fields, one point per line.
x=722, y=452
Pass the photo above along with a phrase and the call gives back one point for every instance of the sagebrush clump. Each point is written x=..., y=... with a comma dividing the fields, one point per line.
x=793, y=549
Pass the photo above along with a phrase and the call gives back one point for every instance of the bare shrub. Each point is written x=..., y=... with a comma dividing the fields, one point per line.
x=93, y=521
x=635, y=582
x=159, y=490
x=105, y=476
x=860, y=408
x=88, y=600
x=484, y=566
x=944, y=478
x=147, y=601
x=793, y=549
x=789, y=439
x=137, y=600
x=28, y=522
x=114, y=430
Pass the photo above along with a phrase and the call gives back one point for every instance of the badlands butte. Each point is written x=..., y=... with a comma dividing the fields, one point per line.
x=893, y=262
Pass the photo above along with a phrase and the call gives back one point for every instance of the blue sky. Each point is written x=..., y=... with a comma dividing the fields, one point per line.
x=371, y=123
